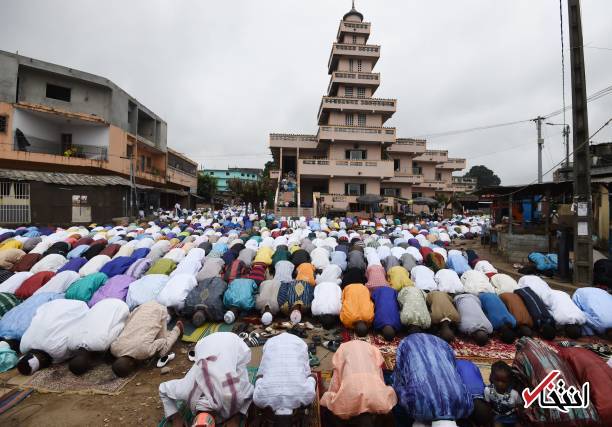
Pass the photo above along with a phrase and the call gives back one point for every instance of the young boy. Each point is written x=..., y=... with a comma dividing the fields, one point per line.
x=501, y=395
x=284, y=383
x=217, y=383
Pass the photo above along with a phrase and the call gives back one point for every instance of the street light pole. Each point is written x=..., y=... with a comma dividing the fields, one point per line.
x=538, y=121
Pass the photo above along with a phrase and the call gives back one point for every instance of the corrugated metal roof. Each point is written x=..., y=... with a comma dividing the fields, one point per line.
x=63, y=178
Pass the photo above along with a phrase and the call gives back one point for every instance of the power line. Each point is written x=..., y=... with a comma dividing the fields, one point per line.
x=556, y=164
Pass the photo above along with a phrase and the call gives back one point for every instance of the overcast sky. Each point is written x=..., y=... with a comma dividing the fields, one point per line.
x=224, y=74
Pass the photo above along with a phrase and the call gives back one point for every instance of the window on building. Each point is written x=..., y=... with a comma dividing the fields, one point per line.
x=241, y=174
x=351, y=65
x=416, y=169
x=354, y=38
x=226, y=173
x=359, y=66
x=438, y=176
x=393, y=192
x=356, y=154
x=3, y=123
x=148, y=162
x=396, y=164
x=354, y=189
x=361, y=119
x=415, y=195
x=141, y=162
x=58, y=92
x=348, y=120
x=361, y=92
x=348, y=91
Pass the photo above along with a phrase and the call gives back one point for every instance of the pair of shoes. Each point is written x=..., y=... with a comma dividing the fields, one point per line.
x=313, y=360
x=332, y=345
x=163, y=361
x=298, y=332
x=253, y=339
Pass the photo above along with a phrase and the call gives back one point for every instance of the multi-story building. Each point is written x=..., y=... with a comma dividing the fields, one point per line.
x=464, y=184
x=54, y=119
x=353, y=152
x=224, y=176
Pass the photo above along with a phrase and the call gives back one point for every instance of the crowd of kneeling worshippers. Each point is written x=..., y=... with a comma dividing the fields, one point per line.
x=82, y=294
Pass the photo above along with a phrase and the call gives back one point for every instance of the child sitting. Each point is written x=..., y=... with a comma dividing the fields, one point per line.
x=501, y=395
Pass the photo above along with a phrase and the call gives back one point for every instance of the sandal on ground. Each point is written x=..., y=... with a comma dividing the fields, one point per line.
x=312, y=348
x=254, y=340
x=191, y=355
x=298, y=332
x=163, y=361
x=316, y=339
x=331, y=345
x=313, y=360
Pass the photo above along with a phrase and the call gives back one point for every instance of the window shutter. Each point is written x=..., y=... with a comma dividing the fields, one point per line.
x=362, y=189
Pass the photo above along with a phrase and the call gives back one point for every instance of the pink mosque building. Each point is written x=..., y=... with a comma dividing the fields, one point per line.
x=353, y=153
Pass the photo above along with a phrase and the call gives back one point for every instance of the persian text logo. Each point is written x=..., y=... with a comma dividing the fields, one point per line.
x=552, y=393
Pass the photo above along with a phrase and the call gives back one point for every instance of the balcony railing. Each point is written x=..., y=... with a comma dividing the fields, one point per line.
x=386, y=107
x=438, y=156
x=353, y=78
x=354, y=50
x=407, y=176
x=435, y=184
x=357, y=168
x=357, y=133
x=43, y=146
x=413, y=146
x=293, y=140
x=362, y=28
x=454, y=164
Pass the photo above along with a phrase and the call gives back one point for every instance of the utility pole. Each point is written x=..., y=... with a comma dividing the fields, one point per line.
x=538, y=122
x=566, y=133
x=583, y=244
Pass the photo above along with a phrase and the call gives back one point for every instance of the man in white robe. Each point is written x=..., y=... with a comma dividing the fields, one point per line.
x=284, y=382
x=217, y=383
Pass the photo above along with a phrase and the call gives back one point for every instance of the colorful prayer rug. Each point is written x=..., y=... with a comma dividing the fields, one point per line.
x=192, y=334
x=12, y=398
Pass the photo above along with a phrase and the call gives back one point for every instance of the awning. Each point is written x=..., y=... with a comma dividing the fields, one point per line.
x=63, y=178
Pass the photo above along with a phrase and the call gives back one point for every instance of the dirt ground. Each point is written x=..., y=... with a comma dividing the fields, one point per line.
x=138, y=403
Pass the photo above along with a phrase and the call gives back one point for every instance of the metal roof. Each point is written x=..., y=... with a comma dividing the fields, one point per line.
x=64, y=178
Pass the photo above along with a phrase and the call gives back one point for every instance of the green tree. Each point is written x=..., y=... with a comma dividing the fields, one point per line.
x=207, y=186
x=484, y=176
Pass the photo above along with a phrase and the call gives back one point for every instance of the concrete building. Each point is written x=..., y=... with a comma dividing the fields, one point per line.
x=601, y=179
x=56, y=119
x=353, y=153
x=224, y=176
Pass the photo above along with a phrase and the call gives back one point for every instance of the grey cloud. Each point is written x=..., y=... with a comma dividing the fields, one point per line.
x=224, y=74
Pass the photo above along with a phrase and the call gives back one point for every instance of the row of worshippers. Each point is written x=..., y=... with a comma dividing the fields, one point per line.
x=428, y=385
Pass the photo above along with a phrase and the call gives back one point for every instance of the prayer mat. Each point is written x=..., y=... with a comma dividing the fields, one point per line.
x=494, y=350
x=58, y=379
x=192, y=334
x=12, y=398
